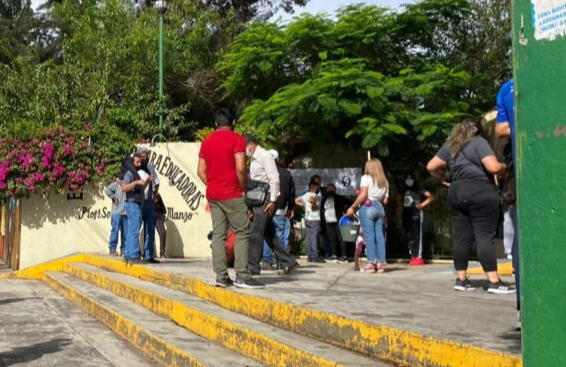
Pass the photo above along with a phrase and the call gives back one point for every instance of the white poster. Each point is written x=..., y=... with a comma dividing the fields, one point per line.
x=549, y=19
x=346, y=180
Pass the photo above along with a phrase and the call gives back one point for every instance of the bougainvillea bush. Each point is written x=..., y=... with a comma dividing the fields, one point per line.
x=55, y=159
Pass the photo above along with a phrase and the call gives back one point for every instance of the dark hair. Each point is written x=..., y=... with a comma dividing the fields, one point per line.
x=313, y=177
x=330, y=184
x=415, y=186
x=224, y=117
x=313, y=184
x=250, y=139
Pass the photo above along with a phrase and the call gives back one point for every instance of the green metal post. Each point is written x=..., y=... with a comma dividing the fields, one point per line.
x=539, y=62
x=161, y=66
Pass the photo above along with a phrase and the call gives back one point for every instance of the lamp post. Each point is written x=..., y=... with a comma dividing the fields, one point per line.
x=161, y=7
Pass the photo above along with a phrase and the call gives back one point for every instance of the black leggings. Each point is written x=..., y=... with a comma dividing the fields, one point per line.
x=474, y=206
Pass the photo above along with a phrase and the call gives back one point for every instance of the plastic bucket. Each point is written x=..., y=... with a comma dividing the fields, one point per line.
x=349, y=228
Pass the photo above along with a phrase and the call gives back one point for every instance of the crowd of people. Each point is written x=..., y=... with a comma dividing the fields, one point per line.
x=253, y=201
x=137, y=207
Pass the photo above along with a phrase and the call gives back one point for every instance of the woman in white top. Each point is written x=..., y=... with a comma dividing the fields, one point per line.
x=374, y=193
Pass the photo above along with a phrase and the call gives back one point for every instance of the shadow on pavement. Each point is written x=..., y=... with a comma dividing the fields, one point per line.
x=14, y=300
x=32, y=352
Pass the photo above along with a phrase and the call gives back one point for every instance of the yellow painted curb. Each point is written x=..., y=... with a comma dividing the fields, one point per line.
x=381, y=342
x=147, y=343
x=502, y=269
x=249, y=343
x=36, y=272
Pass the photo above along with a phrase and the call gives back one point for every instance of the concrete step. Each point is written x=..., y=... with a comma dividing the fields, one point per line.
x=155, y=336
x=256, y=339
x=41, y=328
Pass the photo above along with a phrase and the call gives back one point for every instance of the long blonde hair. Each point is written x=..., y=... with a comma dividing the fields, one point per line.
x=374, y=169
x=462, y=134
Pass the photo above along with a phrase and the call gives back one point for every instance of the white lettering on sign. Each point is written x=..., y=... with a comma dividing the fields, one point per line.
x=549, y=19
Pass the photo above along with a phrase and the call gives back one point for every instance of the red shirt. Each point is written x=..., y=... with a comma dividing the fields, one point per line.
x=218, y=152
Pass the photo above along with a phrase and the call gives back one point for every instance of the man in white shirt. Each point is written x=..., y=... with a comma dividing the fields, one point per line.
x=263, y=169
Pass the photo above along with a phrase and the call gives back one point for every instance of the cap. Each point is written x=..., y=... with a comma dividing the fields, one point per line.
x=274, y=154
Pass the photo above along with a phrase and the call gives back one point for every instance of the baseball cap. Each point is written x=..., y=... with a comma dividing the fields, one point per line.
x=273, y=153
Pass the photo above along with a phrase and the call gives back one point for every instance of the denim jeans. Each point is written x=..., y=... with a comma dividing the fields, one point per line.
x=371, y=220
x=267, y=253
x=148, y=218
x=282, y=229
x=133, y=211
x=119, y=223
x=312, y=229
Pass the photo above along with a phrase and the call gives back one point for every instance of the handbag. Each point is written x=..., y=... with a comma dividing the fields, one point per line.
x=509, y=191
x=257, y=193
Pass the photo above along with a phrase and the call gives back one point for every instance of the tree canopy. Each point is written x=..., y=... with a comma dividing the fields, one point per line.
x=372, y=76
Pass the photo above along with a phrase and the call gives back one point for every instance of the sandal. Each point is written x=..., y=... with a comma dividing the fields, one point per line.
x=368, y=269
x=379, y=268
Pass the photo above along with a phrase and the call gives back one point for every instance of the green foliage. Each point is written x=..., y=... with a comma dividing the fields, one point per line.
x=371, y=76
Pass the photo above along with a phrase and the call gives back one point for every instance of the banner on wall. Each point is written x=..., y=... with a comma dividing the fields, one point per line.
x=346, y=180
x=60, y=225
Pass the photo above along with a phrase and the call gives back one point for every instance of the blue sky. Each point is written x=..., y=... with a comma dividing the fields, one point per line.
x=329, y=6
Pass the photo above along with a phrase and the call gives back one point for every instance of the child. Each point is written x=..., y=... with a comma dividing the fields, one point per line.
x=311, y=201
x=358, y=251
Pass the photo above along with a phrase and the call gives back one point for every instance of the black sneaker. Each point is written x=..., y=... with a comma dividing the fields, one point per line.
x=248, y=283
x=151, y=260
x=288, y=269
x=499, y=288
x=463, y=285
x=319, y=260
x=223, y=282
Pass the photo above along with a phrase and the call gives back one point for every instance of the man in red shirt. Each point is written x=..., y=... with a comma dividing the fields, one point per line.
x=222, y=168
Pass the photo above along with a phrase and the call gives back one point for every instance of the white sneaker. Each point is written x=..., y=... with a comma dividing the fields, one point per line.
x=509, y=257
x=518, y=324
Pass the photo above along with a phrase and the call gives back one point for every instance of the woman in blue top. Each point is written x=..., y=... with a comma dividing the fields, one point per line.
x=473, y=201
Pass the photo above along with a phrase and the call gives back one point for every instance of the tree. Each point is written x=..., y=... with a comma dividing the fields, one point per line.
x=372, y=76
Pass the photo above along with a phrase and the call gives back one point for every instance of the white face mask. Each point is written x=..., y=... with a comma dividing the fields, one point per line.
x=249, y=152
x=409, y=183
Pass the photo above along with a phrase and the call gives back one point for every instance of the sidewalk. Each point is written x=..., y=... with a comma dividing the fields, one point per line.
x=418, y=299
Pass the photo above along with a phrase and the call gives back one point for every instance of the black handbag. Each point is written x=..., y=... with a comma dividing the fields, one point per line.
x=257, y=193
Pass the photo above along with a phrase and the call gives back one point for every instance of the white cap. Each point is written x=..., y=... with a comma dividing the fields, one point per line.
x=273, y=153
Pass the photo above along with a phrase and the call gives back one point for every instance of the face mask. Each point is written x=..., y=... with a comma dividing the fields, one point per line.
x=409, y=183
x=249, y=152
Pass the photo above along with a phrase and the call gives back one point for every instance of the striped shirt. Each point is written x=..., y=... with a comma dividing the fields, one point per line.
x=114, y=192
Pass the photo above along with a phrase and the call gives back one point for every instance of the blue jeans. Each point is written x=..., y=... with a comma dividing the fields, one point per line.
x=282, y=229
x=119, y=223
x=371, y=220
x=267, y=253
x=148, y=218
x=133, y=211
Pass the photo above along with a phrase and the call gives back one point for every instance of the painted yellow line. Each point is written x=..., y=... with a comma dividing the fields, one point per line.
x=249, y=343
x=502, y=269
x=36, y=272
x=149, y=344
x=380, y=342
